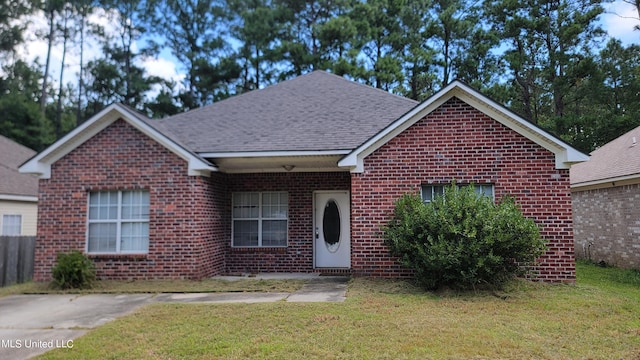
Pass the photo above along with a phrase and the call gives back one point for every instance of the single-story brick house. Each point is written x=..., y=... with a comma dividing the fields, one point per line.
x=297, y=177
x=606, y=194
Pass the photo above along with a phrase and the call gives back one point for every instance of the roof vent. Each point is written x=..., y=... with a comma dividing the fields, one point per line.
x=634, y=142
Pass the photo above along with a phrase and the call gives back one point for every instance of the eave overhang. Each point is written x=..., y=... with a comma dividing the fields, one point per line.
x=631, y=179
x=277, y=161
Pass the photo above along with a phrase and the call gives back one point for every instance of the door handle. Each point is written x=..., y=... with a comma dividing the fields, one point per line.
x=317, y=233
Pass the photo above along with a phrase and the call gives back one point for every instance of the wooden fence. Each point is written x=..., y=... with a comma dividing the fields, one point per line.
x=16, y=259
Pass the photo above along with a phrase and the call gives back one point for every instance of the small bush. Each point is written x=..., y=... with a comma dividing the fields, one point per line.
x=73, y=270
x=462, y=239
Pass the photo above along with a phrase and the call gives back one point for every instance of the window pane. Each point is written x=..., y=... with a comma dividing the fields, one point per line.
x=245, y=233
x=135, y=205
x=103, y=205
x=485, y=190
x=135, y=237
x=275, y=205
x=430, y=192
x=246, y=205
x=427, y=193
x=274, y=233
x=102, y=237
x=12, y=225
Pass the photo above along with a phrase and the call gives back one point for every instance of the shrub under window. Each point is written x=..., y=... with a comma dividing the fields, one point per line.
x=461, y=239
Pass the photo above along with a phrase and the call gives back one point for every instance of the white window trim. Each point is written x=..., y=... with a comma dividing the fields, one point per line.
x=4, y=219
x=260, y=219
x=118, y=221
x=444, y=186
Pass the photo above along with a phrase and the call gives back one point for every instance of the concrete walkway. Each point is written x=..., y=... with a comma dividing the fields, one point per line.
x=33, y=324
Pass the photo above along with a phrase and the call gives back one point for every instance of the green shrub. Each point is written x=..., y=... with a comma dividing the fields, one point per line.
x=462, y=239
x=73, y=270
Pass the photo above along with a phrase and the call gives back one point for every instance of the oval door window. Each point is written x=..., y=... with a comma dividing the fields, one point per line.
x=331, y=226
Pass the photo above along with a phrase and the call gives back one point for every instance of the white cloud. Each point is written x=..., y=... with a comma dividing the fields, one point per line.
x=163, y=68
x=619, y=21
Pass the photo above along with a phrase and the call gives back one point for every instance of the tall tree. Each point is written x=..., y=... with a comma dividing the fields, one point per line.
x=11, y=31
x=300, y=43
x=380, y=35
x=416, y=52
x=126, y=46
x=83, y=9
x=21, y=118
x=111, y=79
x=544, y=38
x=51, y=9
x=338, y=50
x=255, y=24
x=194, y=32
x=65, y=30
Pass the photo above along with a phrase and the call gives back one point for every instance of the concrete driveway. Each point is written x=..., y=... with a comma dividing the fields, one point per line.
x=33, y=324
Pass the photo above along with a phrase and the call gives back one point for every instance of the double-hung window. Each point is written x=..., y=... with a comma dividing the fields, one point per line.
x=430, y=192
x=11, y=225
x=260, y=219
x=118, y=222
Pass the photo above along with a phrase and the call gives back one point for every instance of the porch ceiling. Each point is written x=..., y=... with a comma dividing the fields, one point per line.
x=239, y=163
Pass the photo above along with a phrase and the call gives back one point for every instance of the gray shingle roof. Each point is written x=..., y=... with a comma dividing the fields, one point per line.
x=12, y=155
x=618, y=158
x=316, y=111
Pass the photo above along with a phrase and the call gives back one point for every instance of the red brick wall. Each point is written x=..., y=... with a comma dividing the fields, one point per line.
x=185, y=232
x=458, y=142
x=298, y=255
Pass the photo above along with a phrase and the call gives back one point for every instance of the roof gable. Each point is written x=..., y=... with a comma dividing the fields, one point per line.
x=616, y=161
x=564, y=153
x=41, y=163
x=15, y=186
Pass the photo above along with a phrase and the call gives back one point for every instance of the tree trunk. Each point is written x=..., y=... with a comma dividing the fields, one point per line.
x=80, y=83
x=43, y=93
x=64, y=54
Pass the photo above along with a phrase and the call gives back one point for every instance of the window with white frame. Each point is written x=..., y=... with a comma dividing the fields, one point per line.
x=118, y=222
x=12, y=225
x=260, y=219
x=430, y=192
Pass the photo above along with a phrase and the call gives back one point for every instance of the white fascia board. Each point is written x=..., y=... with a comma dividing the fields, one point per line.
x=259, y=154
x=25, y=198
x=609, y=182
x=565, y=154
x=41, y=163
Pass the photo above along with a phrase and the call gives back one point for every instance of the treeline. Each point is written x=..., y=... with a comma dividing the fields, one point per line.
x=547, y=60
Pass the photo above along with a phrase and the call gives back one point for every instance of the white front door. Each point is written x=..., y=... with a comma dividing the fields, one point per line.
x=332, y=230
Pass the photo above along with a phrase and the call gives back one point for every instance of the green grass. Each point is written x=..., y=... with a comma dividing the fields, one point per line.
x=599, y=318
x=157, y=286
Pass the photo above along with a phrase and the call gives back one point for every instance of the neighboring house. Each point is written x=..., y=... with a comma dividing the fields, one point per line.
x=606, y=199
x=18, y=192
x=297, y=177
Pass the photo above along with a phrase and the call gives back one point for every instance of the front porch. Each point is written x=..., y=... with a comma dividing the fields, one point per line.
x=297, y=253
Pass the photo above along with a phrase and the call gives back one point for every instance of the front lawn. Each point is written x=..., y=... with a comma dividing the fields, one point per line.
x=599, y=318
